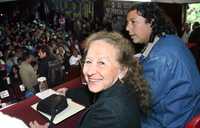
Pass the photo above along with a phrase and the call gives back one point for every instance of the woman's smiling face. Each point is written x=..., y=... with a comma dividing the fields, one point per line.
x=101, y=68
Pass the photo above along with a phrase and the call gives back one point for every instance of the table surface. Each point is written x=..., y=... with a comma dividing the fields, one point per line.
x=23, y=110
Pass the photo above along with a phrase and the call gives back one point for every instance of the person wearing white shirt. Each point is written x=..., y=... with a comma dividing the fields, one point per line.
x=74, y=60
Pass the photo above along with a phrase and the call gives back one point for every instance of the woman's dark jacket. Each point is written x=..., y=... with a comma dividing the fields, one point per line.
x=115, y=107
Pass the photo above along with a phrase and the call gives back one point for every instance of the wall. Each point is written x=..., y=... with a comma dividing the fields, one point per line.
x=177, y=14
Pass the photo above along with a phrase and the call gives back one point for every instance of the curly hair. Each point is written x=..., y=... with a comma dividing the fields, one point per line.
x=134, y=76
x=161, y=23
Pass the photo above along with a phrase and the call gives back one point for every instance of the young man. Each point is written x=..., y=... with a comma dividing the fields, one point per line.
x=28, y=75
x=50, y=67
x=44, y=59
x=169, y=68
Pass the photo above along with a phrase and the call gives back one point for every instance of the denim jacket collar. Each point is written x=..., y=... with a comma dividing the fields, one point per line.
x=149, y=47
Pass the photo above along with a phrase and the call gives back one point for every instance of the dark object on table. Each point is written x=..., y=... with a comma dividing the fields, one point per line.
x=52, y=105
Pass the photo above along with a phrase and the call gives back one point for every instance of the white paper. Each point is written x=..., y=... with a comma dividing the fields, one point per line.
x=4, y=94
x=5, y=105
x=72, y=109
x=22, y=88
x=46, y=93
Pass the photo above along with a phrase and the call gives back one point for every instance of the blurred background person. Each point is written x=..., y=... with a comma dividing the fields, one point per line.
x=15, y=79
x=186, y=32
x=75, y=58
x=28, y=75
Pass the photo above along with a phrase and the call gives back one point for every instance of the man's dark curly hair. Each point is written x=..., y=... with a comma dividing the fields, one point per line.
x=153, y=14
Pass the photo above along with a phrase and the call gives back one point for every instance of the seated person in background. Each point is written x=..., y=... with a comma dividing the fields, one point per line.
x=121, y=93
x=16, y=81
x=194, y=41
x=75, y=65
x=74, y=60
x=3, y=75
x=195, y=25
x=195, y=36
x=44, y=69
x=15, y=78
x=44, y=58
x=63, y=56
x=28, y=75
x=186, y=32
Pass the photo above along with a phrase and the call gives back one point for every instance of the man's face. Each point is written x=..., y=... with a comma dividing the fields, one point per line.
x=41, y=54
x=138, y=28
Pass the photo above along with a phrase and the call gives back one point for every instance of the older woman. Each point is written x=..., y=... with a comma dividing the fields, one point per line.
x=115, y=77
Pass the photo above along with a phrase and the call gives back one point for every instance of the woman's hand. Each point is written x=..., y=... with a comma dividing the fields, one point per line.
x=62, y=91
x=35, y=124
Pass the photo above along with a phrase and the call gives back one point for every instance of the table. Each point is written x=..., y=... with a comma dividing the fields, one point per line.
x=23, y=110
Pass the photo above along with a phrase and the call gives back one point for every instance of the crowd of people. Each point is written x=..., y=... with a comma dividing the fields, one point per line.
x=157, y=88
x=28, y=44
x=25, y=49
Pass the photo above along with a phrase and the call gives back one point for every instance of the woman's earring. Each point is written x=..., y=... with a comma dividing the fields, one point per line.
x=120, y=79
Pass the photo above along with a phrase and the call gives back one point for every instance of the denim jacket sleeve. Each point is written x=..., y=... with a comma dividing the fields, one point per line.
x=174, y=90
